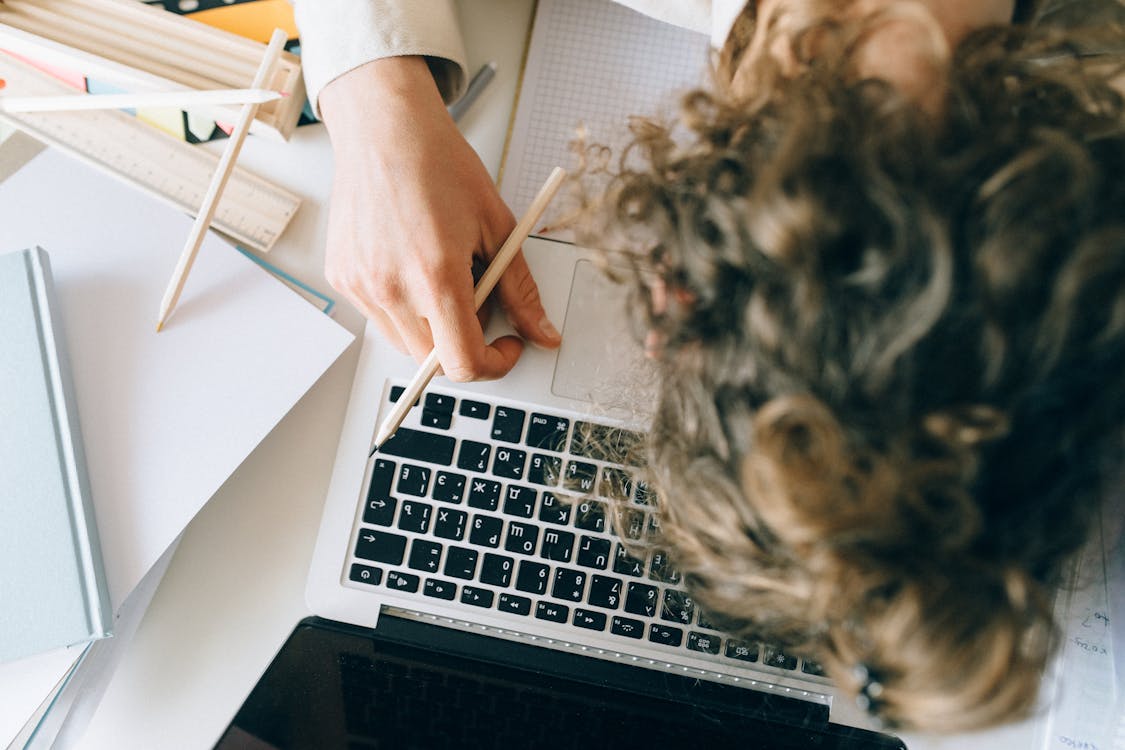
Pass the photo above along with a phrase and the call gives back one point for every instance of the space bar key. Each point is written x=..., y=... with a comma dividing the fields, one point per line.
x=421, y=446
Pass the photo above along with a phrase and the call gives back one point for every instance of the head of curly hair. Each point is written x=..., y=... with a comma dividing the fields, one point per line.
x=891, y=348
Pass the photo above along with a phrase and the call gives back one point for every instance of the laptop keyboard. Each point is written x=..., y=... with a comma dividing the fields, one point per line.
x=512, y=515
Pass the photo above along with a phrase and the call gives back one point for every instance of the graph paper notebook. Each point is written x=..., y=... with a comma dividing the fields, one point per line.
x=591, y=64
x=52, y=587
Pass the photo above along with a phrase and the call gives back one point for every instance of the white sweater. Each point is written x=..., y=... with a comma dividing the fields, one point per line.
x=338, y=35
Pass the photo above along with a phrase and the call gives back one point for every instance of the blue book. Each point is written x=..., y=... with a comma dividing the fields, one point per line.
x=52, y=586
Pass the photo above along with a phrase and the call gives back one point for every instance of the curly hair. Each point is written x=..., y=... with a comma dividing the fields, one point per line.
x=891, y=353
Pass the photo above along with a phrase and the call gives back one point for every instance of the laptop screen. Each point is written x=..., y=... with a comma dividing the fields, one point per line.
x=415, y=685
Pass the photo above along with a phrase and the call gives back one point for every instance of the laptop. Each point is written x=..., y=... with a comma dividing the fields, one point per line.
x=473, y=586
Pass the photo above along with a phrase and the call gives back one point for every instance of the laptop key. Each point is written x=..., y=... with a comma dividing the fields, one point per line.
x=605, y=592
x=474, y=409
x=509, y=463
x=553, y=612
x=438, y=420
x=486, y=531
x=590, y=620
x=415, y=516
x=741, y=650
x=579, y=476
x=439, y=589
x=532, y=577
x=773, y=656
x=627, y=627
x=450, y=524
x=660, y=568
x=413, y=480
x=484, y=494
x=496, y=570
x=380, y=546
x=610, y=444
x=477, y=597
x=544, y=469
x=424, y=555
x=625, y=564
x=365, y=574
x=420, y=446
x=616, y=484
x=522, y=537
x=640, y=599
x=593, y=552
x=590, y=516
x=473, y=456
x=707, y=643
x=380, y=511
x=440, y=402
x=449, y=487
x=678, y=607
x=557, y=545
x=547, y=432
x=808, y=666
x=569, y=584
x=520, y=501
x=382, y=476
x=507, y=425
x=461, y=562
x=402, y=581
x=554, y=509
x=516, y=605
x=665, y=634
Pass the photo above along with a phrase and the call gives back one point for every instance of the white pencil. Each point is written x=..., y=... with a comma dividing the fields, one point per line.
x=483, y=288
x=173, y=99
x=219, y=180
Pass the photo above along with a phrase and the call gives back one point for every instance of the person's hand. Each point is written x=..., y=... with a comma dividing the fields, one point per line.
x=412, y=209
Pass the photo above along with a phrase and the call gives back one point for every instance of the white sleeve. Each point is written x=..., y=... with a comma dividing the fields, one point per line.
x=339, y=35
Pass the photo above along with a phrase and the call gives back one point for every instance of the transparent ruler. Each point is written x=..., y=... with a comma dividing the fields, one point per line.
x=252, y=211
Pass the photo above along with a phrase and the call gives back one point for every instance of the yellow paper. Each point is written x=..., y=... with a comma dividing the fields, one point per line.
x=255, y=20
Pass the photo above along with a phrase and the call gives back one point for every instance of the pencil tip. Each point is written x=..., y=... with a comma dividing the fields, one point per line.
x=159, y=326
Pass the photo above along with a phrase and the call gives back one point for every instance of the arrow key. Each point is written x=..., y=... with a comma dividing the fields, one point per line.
x=380, y=546
x=380, y=511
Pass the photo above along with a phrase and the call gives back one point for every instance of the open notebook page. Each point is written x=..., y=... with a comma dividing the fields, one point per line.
x=591, y=63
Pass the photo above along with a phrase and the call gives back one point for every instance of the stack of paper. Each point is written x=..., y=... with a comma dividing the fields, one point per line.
x=167, y=417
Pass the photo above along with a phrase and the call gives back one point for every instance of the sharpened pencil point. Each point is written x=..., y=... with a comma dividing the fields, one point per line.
x=159, y=326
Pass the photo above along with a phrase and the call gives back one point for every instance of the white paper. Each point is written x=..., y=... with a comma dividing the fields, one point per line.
x=167, y=417
x=1086, y=709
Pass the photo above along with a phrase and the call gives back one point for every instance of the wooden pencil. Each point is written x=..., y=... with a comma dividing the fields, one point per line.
x=218, y=182
x=483, y=288
x=176, y=99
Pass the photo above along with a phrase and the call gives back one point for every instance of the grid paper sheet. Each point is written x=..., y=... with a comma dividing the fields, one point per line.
x=592, y=63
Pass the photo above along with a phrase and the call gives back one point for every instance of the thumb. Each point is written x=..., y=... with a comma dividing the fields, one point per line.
x=519, y=295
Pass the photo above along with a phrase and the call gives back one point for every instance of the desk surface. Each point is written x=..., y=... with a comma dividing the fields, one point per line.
x=235, y=588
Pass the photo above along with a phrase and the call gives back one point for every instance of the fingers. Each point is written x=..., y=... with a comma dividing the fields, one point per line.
x=519, y=294
x=459, y=340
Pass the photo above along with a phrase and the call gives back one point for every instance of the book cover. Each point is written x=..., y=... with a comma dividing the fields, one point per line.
x=52, y=586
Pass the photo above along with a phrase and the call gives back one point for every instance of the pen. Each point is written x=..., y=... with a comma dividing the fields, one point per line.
x=476, y=86
x=483, y=288
x=219, y=180
x=177, y=99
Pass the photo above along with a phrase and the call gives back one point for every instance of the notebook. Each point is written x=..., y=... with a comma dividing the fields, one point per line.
x=52, y=584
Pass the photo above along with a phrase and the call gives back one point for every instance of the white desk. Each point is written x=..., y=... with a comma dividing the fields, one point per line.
x=236, y=586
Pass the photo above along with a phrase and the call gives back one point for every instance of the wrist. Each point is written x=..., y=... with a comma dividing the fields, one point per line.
x=379, y=96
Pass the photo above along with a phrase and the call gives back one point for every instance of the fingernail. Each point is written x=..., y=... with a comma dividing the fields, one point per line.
x=548, y=329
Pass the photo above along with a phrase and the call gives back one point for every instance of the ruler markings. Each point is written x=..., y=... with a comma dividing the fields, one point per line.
x=253, y=211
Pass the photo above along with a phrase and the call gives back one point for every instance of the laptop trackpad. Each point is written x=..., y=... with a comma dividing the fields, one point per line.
x=600, y=360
